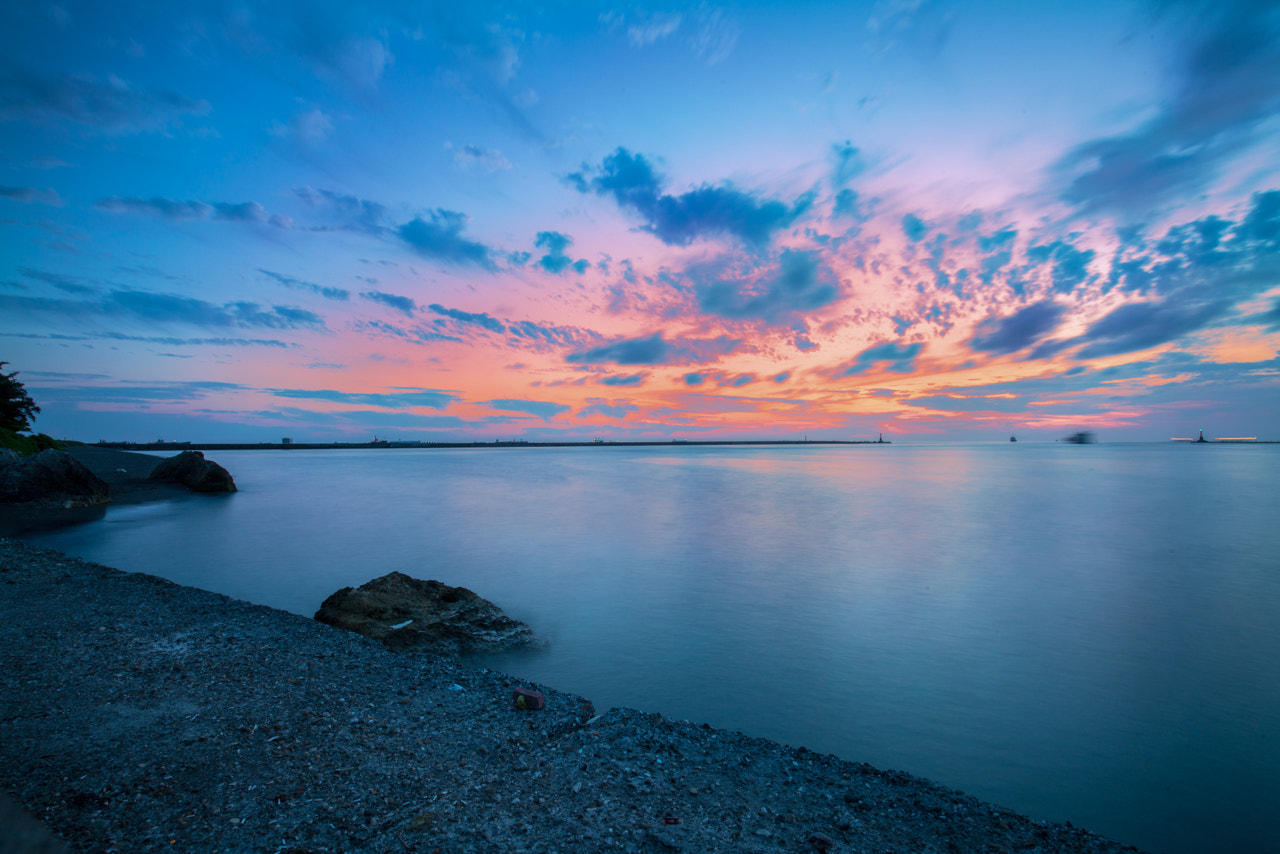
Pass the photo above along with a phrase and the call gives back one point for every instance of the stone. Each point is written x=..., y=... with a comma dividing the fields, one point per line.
x=51, y=478
x=192, y=470
x=408, y=613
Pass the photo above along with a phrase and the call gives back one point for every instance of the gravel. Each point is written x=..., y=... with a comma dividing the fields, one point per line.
x=139, y=715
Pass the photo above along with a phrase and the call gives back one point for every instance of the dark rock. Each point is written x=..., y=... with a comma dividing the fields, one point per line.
x=404, y=612
x=191, y=469
x=51, y=478
x=8, y=457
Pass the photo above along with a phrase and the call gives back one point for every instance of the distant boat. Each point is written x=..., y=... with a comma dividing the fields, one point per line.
x=1082, y=438
x=1013, y=438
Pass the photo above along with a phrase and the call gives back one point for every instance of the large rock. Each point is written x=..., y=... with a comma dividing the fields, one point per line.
x=50, y=478
x=404, y=612
x=191, y=469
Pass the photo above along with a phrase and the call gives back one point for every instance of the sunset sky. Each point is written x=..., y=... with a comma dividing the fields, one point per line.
x=238, y=221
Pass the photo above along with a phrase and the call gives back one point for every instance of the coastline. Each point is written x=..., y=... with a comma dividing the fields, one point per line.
x=126, y=474
x=142, y=715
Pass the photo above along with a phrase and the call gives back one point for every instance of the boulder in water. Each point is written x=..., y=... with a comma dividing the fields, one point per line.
x=409, y=613
x=191, y=469
x=50, y=479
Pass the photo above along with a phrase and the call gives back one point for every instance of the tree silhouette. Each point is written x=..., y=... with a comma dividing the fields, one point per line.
x=17, y=409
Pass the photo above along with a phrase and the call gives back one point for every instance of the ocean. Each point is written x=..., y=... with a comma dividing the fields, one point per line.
x=1083, y=633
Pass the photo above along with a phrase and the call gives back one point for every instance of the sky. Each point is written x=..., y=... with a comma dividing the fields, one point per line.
x=234, y=220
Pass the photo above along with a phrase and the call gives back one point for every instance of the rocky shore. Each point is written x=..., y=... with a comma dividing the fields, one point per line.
x=140, y=715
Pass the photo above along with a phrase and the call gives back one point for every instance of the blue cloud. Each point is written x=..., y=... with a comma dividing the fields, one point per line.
x=440, y=236
x=404, y=305
x=899, y=359
x=556, y=260
x=627, y=351
x=113, y=105
x=1019, y=330
x=803, y=284
x=407, y=398
x=250, y=212
x=914, y=228
x=782, y=377
x=679, y=220
x=414, y=335
x=1139, y=326
x=562, y=336
x=600, y=406
x=625, y=379
x=695, y=378
x=847, y=163
x=1070, y=265
x=479, y=319
x=298, y=284
x=1229, y=87
x=540, y=408
x=170, y=308
x=847, y=205
x=355, y=214
x=31, y=195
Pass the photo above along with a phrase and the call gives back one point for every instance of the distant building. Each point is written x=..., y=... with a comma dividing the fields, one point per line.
x=286, y=441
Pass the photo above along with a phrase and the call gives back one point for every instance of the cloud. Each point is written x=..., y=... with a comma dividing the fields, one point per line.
x=625, y=379
x=31, y=195
x=802, y=284
x=404, y=305
x=1228, y=87
x=556, y=261
x=171, y=308
x=651, y=350
x=892, y=355
x=1019, y=330
x=110, y=105
x=678, y=220
x=657, y=26
x=847, y=164
x=487, y=160
x=61, y=281
x=609, y=409
x=402, y=398
x=1070, y=265
x=356, y=214
x=413, y=335
x=847, y=205
x=914, y=228
x=479, y=319
x=1139, y=326
x=310, y=127
x=298, y=284
x=176, y=209
x=440, y=236
x=715, y=35
x=695, y=378
x=167, y=341
x=540, y=408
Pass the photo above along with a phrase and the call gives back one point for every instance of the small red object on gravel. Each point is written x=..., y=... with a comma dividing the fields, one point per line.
x=671, y=820
x=523, y=698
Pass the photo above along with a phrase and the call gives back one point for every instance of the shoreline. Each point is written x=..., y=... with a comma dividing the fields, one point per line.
x=142, y=715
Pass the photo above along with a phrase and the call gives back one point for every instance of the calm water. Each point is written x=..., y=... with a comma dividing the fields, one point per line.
x=1083, y=633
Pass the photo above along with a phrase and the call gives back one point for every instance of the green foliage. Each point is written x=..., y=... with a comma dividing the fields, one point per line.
x=17, y=409
x=27, y=445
